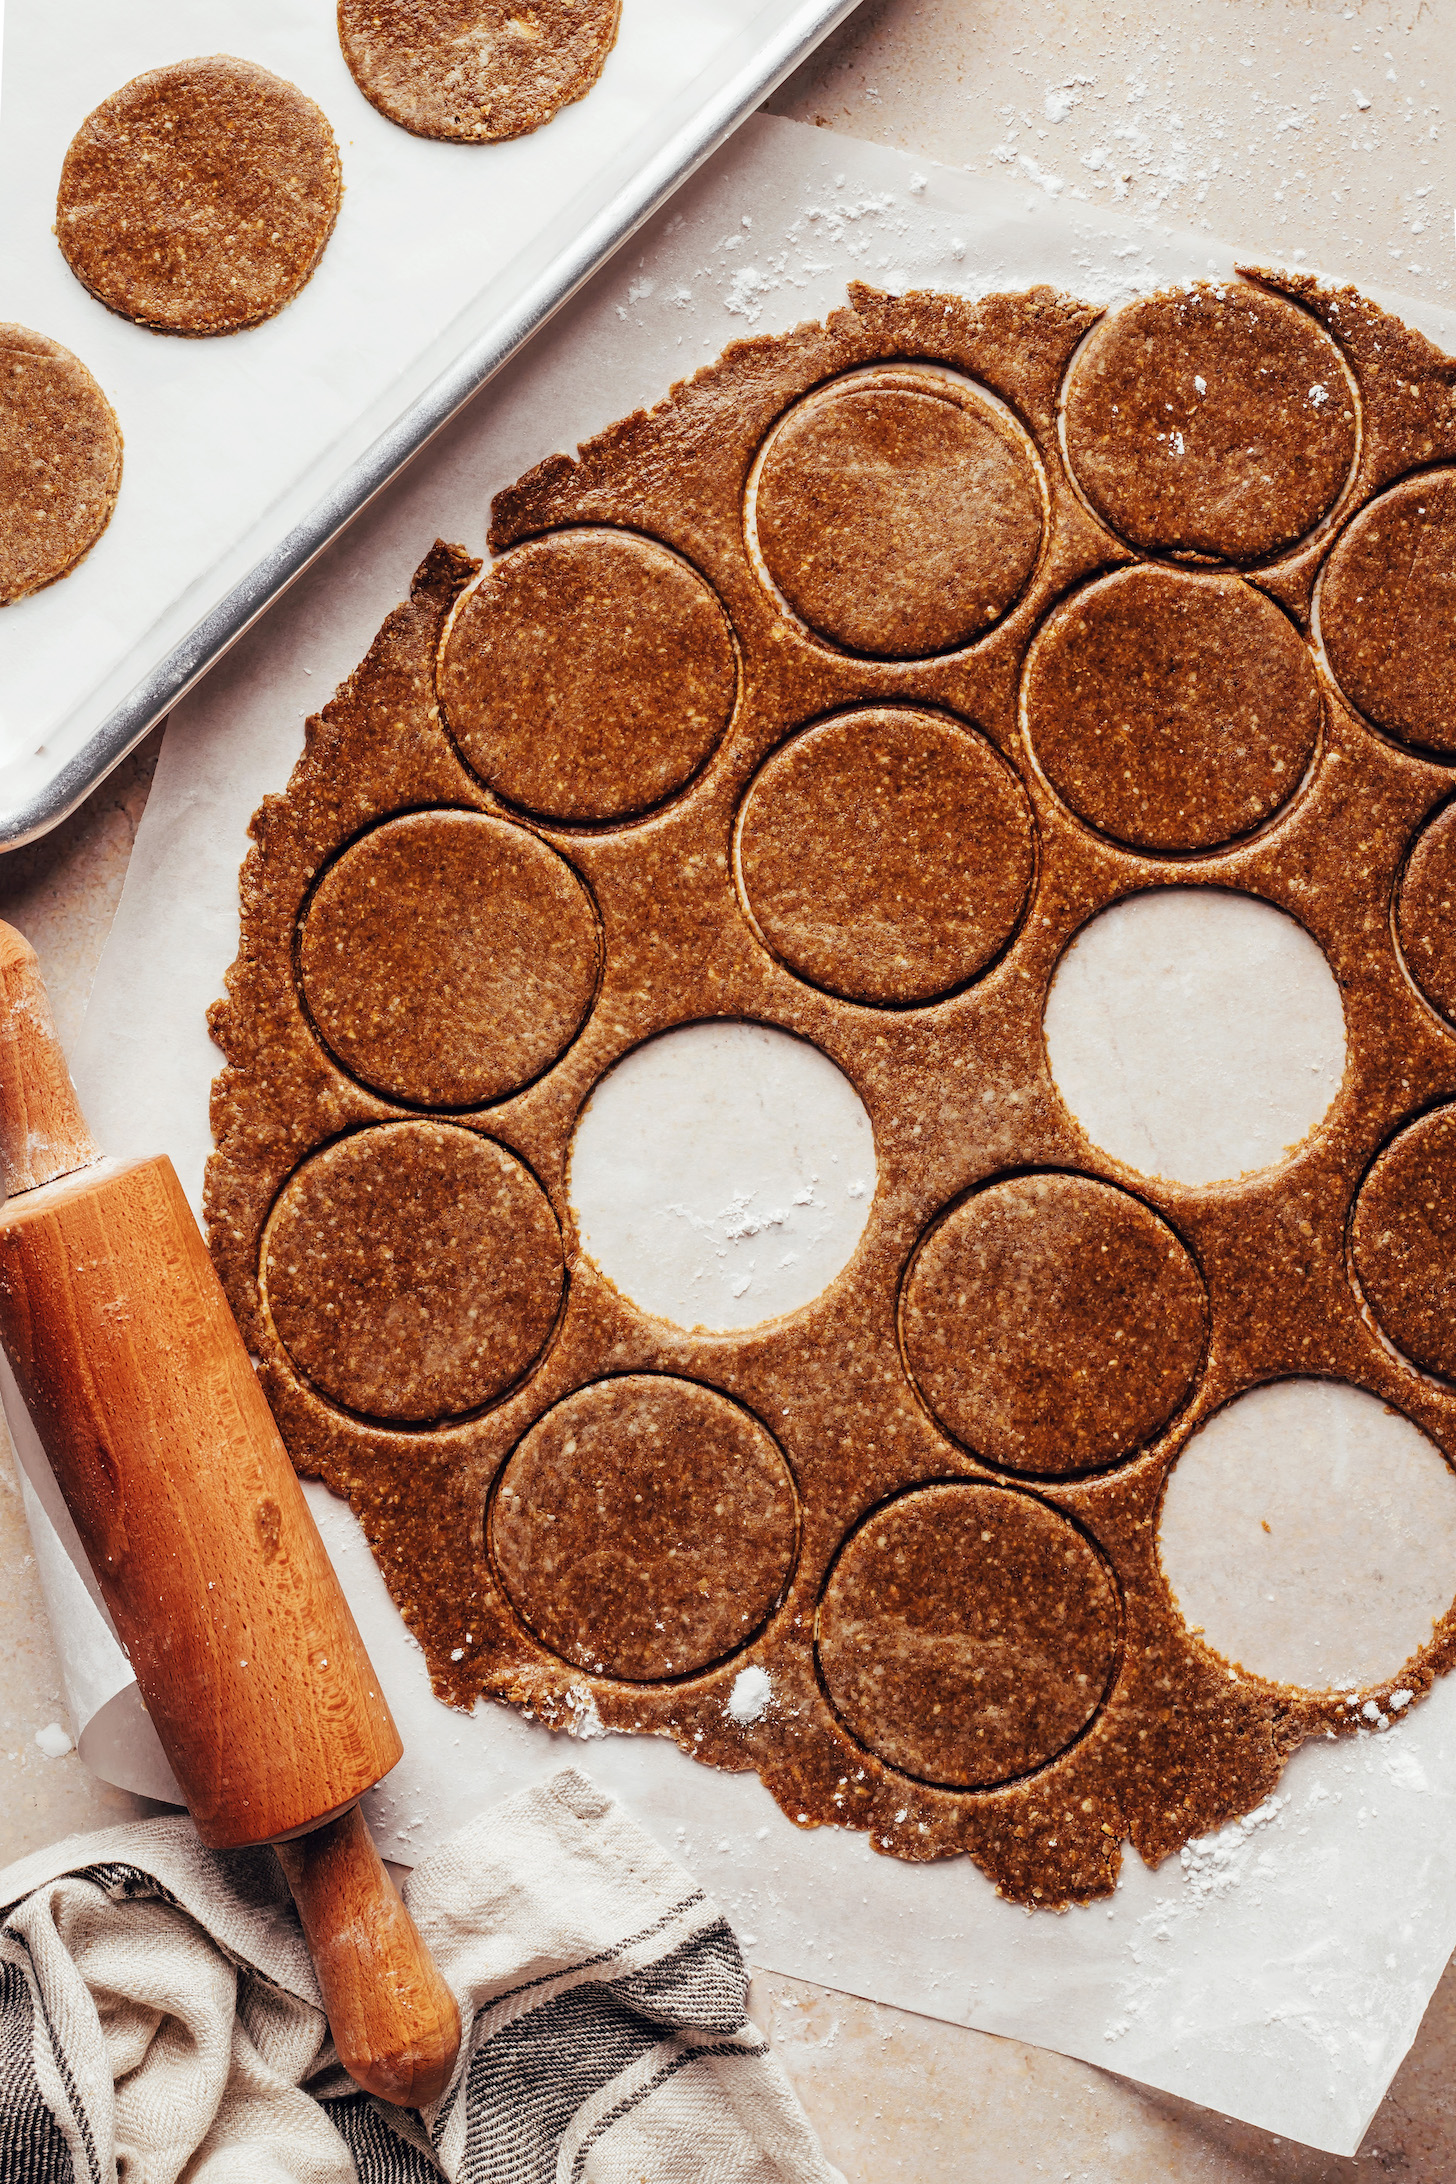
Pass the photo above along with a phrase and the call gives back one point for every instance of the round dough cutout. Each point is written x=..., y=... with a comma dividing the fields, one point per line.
x=1170, y=710
x=198, y=198
x=1053, y=1324
x=60, y=462
x=886, y=855
x=588, y=675
x=1387, y=609
x=1403, y=1241
x=645, y=1528
x=898, y=519
x=1219, y=421
x=475, y=71
x=967, y=1634
x=413, y=1271
x=448, y=958
x=1426, y=912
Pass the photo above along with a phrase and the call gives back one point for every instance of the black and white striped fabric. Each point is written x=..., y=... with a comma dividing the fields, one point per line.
x=159, y=2018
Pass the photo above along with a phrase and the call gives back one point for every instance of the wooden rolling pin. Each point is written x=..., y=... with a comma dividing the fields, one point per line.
x=244, y=1649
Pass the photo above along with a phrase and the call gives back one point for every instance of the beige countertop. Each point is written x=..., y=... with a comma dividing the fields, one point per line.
x=1286, y=127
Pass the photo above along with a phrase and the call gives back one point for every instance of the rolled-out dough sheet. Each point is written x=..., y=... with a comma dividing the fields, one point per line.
x=1279, y=1972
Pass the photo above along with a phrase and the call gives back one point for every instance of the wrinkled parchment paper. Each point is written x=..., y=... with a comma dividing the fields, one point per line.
x=1278, y=1971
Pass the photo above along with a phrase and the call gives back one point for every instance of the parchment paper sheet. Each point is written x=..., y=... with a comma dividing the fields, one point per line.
x=231, y=441
x=1278, y=1972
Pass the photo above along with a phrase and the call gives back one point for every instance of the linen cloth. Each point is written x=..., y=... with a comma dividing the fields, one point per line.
x=160, y=2018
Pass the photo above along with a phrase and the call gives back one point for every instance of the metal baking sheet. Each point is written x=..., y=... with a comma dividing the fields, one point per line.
x=246, y=454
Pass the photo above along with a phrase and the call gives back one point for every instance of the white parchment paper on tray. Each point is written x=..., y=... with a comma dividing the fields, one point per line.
x=1278, y=1972
x=232, y=442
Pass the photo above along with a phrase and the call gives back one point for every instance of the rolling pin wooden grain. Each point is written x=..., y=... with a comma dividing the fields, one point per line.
x=243, y=1646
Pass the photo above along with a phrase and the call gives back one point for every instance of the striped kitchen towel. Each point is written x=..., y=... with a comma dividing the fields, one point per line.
x=159, y=2018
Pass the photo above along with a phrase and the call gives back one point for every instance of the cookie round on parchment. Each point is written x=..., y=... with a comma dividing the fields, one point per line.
x=60, y=461
x=198, y=198
x=475, y=71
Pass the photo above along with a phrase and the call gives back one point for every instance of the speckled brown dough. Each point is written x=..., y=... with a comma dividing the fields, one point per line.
x=1138, y=1731
x=895, y=518
x=1174, y=711
x=60, y=462
x=587, y=676
x=886, y=855
x=1403, y=1241
x=967, y=1634
x=645, y=1528
x=448, y=958
x=473, y=71
x=412, y=1271
x=1053, y=1325
x=1216, y=421
x=198, y=198
x=1388, y=612
x=1426, y=912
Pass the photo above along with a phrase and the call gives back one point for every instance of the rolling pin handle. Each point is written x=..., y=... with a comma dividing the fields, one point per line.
x=43, y=1132
x=394, y=2021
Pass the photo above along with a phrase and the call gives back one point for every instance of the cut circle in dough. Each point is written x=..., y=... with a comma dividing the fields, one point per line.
x=1218, y=421
x=899, y=516
x=1403, y=1241
x=198, y=198
x=1173, y=711
x=1388, y=612
x=60, y=461
x=447, y=958
x=967, y=1634
x=475, y=71
x=588, y=675
x=645, y=1528
x=1053, y=1324
x=413, y=1271
x=886, y=854
x=1426, y=911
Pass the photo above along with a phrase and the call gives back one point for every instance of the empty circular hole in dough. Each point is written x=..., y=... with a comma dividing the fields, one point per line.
x=722, y=1174
x=898, y=519
x=413, y=1271
x=1387, y=611
x=1309, y=1532
x=1403, y=1241
x=1217, y=420
x=1195, y=1033
x=967, y=1634
x=60, y=461
x=1426, y=912
x=1174, y=711
x=886, y=854
x=1053, y=1324
x=588, y=675
x=448, y=958
x=645, y=1527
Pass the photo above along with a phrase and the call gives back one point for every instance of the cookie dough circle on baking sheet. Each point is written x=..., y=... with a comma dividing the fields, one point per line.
x=1403, y=1241
x=198, y=198
x=448, y=958
x=1308, y=1532
x=1426, y=911
x=1173, y=711
x=588, y=675
x=967, y=1634
x=1195, y=1033
x=645, y=1528
x=60, y=461
x=886, y=854
x=898, y=520
x=413, y=1271
x=474, y=71
x=1053, y=1324
x=1388, y=611
x=1214, y=421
